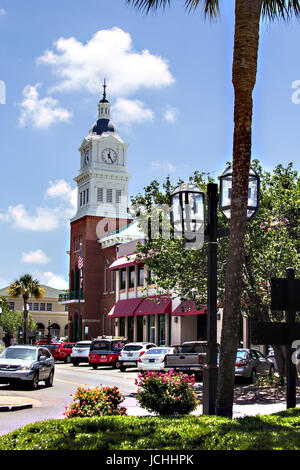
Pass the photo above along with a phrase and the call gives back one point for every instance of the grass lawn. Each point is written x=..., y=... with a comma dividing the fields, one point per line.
x=280, y=431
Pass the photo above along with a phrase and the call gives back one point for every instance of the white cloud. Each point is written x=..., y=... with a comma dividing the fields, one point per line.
x=163, y=165
x=109, y=53
x=128, y=111
x=62, y=190
x=40, y=113
x=2, y=12
x=170, y=114
x=48, y=278
x=35, y=257
x=44, y=219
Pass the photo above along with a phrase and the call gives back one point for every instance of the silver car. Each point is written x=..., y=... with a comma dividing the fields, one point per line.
x=26, y=364
x=80, y=352
x=251, y=363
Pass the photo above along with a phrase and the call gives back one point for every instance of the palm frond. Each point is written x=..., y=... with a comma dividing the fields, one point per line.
x=148, y=5
x=280, y=9
x=210, y=7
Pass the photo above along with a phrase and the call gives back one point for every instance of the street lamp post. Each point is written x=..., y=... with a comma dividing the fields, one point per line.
x=187, y=213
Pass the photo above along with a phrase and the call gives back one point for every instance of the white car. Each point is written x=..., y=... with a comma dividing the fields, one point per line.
x=131, y=353
x=80, y=352
x=154, y=359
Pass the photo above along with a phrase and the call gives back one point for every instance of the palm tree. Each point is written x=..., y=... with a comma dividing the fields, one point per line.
x=248, y=14
x=26, y=287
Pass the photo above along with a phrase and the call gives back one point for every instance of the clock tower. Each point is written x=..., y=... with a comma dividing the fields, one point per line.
x=102, y=202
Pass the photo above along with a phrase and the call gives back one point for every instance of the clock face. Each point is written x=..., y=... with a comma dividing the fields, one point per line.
x=109, y=156
x=87, y=156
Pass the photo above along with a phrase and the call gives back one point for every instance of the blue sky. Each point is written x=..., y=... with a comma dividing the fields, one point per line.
x=169, y=84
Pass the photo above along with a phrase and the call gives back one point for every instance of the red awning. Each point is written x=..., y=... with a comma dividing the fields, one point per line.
x=123, y=262
x=154, y=305
x=124, y=308
x=188, y=307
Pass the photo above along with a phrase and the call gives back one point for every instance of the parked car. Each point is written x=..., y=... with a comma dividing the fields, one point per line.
x=190, y=357
x=61, y=351
x=154, y=358
x=105, y=352
x=42, y=342
x=26, y=364
x=80, y=352
x=251, y=363
x=131, y=353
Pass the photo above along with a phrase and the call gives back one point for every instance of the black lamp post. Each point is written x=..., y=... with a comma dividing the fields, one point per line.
x=189, y=223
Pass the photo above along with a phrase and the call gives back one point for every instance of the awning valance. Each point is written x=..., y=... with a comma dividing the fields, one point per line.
x=154, y=305
x=124, y=308
x=188, y=307
x=124, y=261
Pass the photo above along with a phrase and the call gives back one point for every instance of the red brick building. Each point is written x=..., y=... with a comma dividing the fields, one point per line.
x=102, y=202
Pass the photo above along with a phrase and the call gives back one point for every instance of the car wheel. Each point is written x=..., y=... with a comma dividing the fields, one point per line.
x=75, y=363
x=122, y=368
x=94, y=366
x=253, y=376
x=49, y=381
x=35, y=381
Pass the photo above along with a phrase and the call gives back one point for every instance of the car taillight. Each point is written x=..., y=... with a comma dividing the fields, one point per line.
x=142, y=352
x=243, y=362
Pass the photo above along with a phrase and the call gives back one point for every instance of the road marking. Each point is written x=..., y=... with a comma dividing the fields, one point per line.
x=69, y=382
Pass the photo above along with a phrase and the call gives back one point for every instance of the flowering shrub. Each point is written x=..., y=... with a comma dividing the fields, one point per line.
x=166, y=393
x=96, y=401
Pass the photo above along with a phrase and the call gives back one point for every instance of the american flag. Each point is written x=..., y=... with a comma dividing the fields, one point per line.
x=80, y=260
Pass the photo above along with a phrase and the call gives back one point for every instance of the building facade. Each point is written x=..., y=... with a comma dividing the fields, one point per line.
x=142, y=314
x=45, y=312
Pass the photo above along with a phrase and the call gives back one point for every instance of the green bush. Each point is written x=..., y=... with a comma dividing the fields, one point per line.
x=166, y=393
x=96, y=401
x=280, y=431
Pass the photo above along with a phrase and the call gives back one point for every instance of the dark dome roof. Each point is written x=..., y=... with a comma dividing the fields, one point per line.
x=103, y=125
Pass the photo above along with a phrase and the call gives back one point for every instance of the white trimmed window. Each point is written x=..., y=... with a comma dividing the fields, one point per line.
x=99, y=194
x=109, y=195
x=118, y=196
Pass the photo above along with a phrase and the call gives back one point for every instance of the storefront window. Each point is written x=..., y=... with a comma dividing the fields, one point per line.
x=151, y=328
x=131, y=276
x=122, y=326
x=161, y=329
x=130, y=328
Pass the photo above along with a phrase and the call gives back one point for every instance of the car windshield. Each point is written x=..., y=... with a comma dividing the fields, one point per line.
x=241, y=354
x=133, y=347
x=19, y=353
x=52, y=346
x=107, y=345
x=82, y=345
x=157, y=351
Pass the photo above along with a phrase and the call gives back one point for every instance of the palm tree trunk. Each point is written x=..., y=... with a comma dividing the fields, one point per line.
x=247, y=17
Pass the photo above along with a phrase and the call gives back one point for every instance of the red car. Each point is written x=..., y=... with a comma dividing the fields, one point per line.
x=61, y=351
x=105, y=352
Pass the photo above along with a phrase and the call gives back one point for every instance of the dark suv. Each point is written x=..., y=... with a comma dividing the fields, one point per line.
x=105, y=352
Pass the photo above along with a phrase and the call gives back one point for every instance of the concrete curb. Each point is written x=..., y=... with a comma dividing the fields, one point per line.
x=10, y=403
